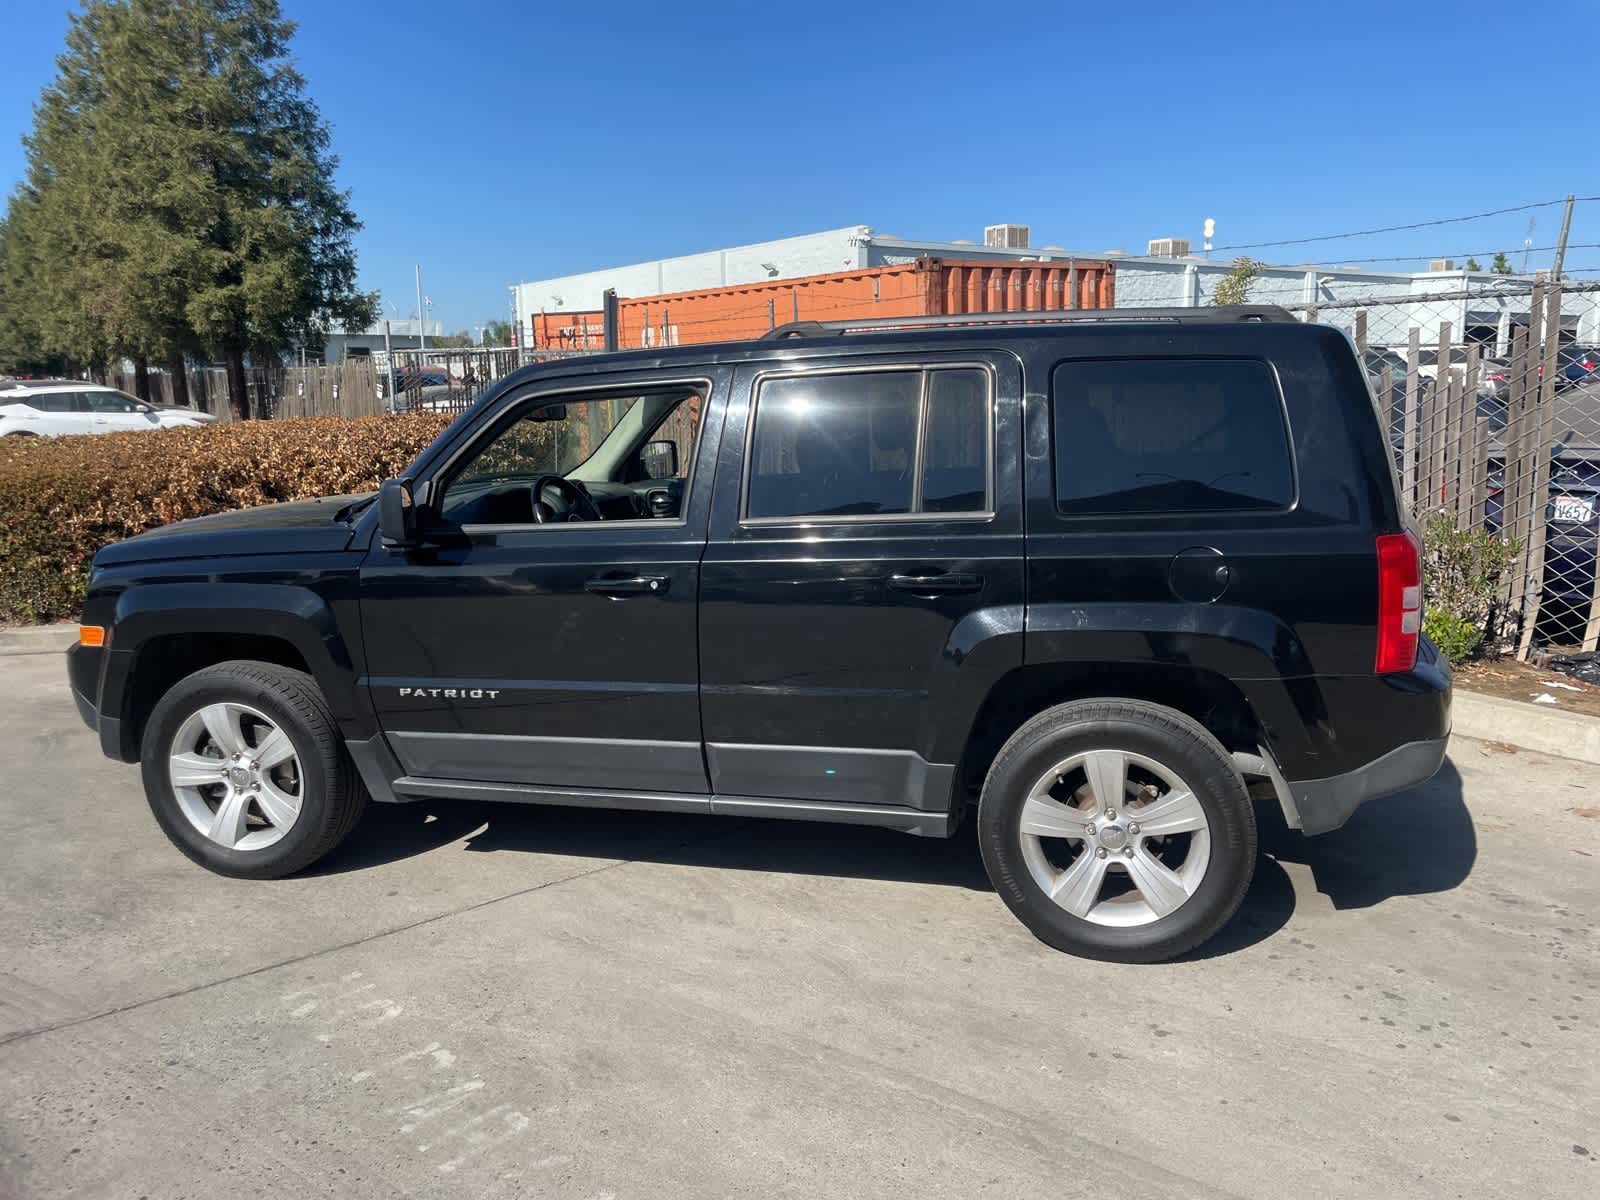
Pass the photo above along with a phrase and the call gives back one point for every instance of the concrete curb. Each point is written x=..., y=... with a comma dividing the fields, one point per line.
x=1528, y=726
x=1547, y=730
x=37, y=639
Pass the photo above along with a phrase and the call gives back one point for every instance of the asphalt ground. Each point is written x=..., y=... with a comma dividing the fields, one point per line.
x=476, y=1001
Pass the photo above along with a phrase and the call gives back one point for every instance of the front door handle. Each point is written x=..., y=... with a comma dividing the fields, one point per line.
x=942, y=584
x=631, y=585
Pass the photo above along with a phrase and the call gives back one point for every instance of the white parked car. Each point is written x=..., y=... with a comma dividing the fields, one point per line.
x=54, y=407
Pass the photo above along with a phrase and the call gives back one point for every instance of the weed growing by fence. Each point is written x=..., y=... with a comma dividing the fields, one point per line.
x=1462, y=573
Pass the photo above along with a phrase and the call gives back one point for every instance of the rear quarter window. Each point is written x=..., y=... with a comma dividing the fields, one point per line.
x=1169, y=435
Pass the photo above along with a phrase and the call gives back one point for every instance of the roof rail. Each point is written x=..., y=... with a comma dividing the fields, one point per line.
x=1073, y=316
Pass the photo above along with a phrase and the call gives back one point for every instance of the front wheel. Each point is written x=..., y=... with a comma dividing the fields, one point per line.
x=1118, y=830
x=245, y=770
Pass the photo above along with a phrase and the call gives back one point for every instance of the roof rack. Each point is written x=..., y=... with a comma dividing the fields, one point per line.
x=1075, y=316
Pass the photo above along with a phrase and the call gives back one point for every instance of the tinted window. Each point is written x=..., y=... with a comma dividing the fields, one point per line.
x=835, y=445
x=111, y=402
x=955, y=475
x=52, y=402
x=1163, y=435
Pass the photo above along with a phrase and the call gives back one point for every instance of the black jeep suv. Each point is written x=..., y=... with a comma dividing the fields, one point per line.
x=1099, y=575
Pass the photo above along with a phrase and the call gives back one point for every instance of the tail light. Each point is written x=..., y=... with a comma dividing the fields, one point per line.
x=1399, y=602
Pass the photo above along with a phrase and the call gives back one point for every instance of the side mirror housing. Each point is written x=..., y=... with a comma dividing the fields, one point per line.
x=659, y=459
x=397, y=514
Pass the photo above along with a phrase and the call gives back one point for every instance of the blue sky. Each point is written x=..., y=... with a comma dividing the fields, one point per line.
x=500, y=142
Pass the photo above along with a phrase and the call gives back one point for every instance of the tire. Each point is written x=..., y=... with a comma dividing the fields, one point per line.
x=313, y=791
x=1034, y=831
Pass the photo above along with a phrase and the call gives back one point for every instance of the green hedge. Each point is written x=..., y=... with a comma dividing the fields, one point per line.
x=61, y=499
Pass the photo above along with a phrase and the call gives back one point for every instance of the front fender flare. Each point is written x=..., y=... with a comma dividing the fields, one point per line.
x=291, y=614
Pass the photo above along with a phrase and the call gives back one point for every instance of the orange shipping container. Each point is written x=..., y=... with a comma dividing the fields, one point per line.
x=926, y=287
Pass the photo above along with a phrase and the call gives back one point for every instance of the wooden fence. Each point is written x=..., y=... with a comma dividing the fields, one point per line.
x=1494, y=436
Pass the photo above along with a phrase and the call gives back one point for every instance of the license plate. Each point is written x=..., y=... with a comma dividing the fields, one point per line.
x=1576, y=509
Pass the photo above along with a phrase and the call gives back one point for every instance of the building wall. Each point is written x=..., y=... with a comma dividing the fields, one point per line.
x=833, y=250
x=1141, y=281
x=809, y=254
x=404, y=334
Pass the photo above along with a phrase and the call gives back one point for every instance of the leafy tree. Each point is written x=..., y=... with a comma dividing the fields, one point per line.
x=23, y=346
x=497, y=333
x=1235, y=286
x=185, y=190
x=1472, y=265
x=1501, y=264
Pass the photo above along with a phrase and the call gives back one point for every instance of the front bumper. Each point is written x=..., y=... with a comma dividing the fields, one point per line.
x=86, y=670
x=1322, y=805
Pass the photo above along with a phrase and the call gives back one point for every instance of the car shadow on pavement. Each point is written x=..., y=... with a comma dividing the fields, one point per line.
x=1419, y=841
x=392, y=832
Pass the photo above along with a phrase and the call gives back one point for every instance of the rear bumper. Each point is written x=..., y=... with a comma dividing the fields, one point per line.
x=1393, y=731
x=1322, y=805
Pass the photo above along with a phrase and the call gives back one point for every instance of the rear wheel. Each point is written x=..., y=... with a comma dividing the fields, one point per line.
x=245, y=770
x=1117, y=829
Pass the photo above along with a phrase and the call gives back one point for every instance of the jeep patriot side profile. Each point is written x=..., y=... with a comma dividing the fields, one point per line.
x=1100, y=575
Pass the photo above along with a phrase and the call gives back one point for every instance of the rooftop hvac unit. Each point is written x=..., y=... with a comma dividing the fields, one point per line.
x=1441, y=264
x=1008, y=237
x=1169, y=248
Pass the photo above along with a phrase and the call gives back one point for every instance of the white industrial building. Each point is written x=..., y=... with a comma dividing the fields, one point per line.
x=398, y=333
x=1173, y=277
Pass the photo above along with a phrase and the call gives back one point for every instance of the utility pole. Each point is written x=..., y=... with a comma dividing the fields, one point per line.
x=422, y=327
x=1561, y=243
x=388, y=357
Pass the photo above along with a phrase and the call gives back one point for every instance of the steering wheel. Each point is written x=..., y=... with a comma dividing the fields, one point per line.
x=580, y=506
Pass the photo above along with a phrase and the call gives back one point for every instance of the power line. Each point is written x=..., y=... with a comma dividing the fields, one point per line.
x=1334, y=237
x=1461, y=254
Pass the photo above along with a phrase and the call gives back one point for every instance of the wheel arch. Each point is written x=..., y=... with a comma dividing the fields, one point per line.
x=160, y=635
x=1211, y=699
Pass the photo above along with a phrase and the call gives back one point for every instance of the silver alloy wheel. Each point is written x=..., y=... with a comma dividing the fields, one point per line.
x=236, y=776
x=1115, y=824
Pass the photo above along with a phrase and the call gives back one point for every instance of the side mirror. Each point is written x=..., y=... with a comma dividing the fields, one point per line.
x=397, y=514
x=659, y=459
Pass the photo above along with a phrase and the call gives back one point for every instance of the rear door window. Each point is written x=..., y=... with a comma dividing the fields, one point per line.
x=53, y=402
x=835, y=445
x=870, y=443
x=955, y=473
x=1169, y=435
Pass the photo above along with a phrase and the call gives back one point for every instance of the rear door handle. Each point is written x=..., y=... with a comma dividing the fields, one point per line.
x=632, y=585
x=942, y=584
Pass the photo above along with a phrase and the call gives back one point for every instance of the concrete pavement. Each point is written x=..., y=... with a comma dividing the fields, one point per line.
x=499, y=1002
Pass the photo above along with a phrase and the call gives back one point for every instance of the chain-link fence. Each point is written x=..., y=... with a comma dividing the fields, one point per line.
x=1491, y=399
x=449, y=379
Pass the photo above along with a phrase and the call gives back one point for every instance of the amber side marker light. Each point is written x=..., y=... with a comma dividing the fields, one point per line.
x=91, y=635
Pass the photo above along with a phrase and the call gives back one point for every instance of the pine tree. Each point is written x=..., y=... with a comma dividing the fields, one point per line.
x=185, y=190
x=1501, y=264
